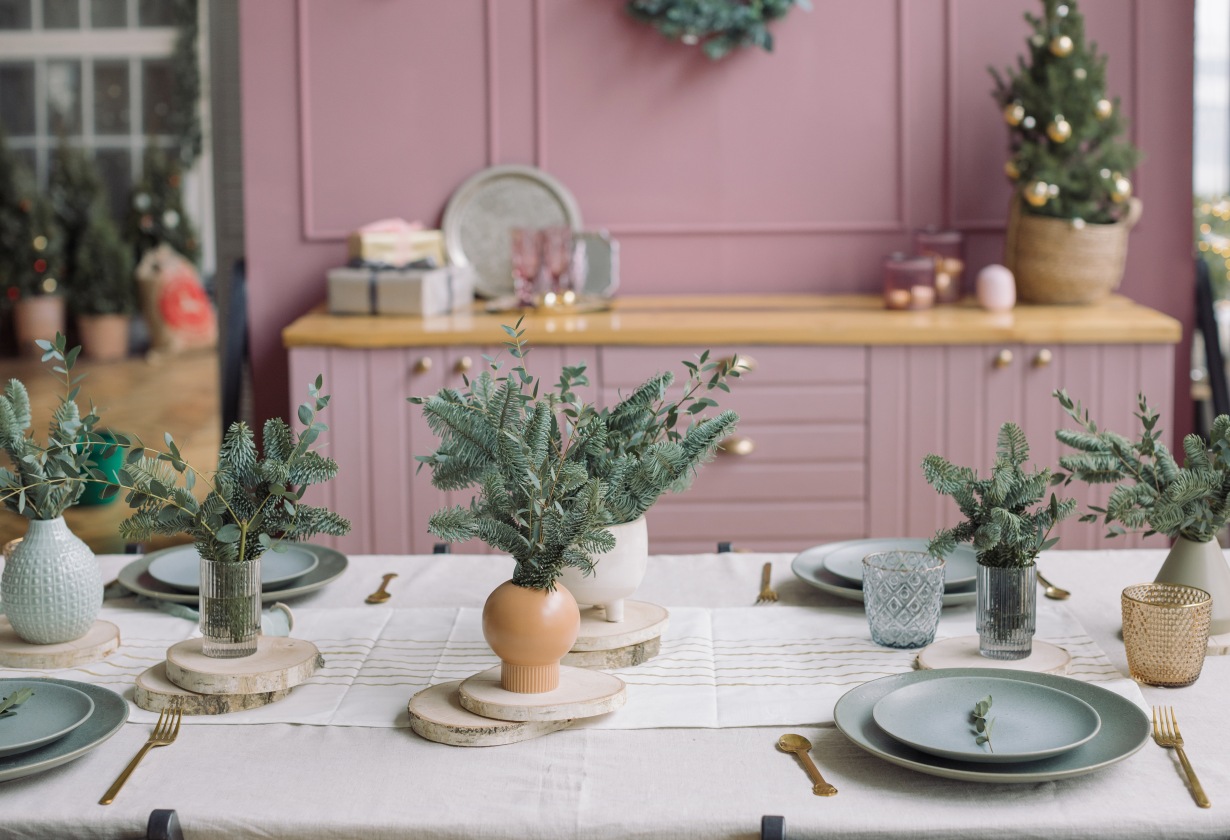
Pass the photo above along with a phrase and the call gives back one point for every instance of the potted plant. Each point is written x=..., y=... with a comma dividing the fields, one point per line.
x=639, y=452
x=1188, y=503
x=1008, y=523
x=51, y=588
x=254, y=503
x=1072, y=205
x=103, y=290
x=534, y=501
x=29, y=256
x=636, y=449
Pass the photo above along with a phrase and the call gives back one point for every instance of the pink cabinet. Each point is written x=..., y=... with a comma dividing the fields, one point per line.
x=951, y=400
x=828, y=448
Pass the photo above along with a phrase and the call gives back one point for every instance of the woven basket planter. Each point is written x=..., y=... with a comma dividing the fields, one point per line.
x=1054, y=262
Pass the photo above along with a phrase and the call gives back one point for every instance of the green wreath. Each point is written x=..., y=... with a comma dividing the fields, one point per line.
x=719, y=26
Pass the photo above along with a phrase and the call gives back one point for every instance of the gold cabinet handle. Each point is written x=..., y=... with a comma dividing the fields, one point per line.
x=423, y=364
x=463, y=365
x=1044, y=358
x=737, y=445
x=744, y=364
x=1003, y=358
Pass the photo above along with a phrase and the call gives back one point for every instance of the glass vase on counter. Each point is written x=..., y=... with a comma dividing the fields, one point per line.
x=946, y=249
x=909, y=282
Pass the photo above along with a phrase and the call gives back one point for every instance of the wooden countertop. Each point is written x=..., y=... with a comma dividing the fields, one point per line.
x=750, y=320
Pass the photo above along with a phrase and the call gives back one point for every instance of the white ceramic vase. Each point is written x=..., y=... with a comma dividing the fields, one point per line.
x=617, y=573
x=1202, y=565
x=51, y=590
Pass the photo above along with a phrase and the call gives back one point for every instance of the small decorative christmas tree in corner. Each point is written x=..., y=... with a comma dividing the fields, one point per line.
x=1065, y=130
x=156, y=210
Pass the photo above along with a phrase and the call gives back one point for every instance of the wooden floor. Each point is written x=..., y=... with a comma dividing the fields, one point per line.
x=179, y=395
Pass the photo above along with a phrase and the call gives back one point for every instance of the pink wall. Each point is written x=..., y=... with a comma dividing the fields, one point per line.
x=794, y=171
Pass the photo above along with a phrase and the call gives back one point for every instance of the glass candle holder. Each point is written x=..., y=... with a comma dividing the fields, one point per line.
x=903, y=592
x=1166, y=632
x=946, y=249
x=909, y=282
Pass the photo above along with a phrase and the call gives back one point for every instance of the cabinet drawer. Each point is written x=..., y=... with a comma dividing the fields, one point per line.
x=786, y=525
x=624, y=367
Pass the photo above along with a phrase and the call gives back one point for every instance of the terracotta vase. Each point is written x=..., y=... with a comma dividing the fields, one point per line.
x=104, y=338
x=1202, y=565
x=41, y=316
x=530, y=630
x=617, y=573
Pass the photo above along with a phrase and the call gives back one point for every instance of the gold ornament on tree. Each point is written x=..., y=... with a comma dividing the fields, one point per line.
x=1059, y=130
x=1014, y=112
x=1121, y=188
x=1061, y=45
x=1012, y=170
x=1103, y=108
x=1037, y=193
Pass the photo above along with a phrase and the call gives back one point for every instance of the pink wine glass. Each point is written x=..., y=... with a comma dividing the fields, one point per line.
x=556, y=254
x=526, y=261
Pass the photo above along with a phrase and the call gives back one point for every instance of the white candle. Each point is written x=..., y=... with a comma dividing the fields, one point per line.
x=897, y=298
x=922, y=297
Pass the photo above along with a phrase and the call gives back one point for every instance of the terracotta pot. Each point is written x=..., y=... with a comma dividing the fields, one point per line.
x=104, y=338
x=41, y=316
x=617, y=573
x=530, y=630
x=1202, y=565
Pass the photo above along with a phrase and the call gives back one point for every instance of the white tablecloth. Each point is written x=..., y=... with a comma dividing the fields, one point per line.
x=309, y=781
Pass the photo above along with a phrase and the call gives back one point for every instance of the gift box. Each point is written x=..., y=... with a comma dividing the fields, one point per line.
x=384, y=290
x=396, y=242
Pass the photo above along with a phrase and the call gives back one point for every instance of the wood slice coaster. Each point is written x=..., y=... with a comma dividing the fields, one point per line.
x=624, y=657
x=641, y=623
x=154, y=693
x=581, y=693
x=278, y=664
x=962, y=652
x=436, y=714
x=99, y=640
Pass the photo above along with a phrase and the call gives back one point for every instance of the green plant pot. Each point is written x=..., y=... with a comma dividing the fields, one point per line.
x=110, y=466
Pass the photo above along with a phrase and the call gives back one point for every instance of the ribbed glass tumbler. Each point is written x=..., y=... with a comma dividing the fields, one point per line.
x=903, y=592
x=1007, y=611
x=1166, y=632
x=230, y=607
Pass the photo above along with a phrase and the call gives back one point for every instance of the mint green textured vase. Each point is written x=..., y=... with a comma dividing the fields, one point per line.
x=51, y=590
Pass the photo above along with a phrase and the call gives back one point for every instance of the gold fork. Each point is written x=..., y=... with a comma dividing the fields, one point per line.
x=766, y=592
x=165, y=731
x=1166, y=733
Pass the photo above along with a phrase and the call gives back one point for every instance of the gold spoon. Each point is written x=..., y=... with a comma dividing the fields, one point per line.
x=381, y=595
x=799, y=745
x=1052, y=591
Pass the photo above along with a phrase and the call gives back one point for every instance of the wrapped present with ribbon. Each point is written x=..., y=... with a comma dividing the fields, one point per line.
x=396, y=242
x=419, y=288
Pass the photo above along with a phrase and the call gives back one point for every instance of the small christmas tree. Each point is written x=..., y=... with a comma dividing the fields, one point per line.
x=97, y=268
x=1066, y=151
x=29, y=246
x=156, y=209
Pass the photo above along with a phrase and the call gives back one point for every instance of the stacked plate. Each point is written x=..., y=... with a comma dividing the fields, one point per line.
x=837, y=568
x=174, y=574
x=1043, y=727
x=63, y=720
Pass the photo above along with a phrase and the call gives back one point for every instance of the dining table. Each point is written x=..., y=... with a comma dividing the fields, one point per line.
x=691, y=754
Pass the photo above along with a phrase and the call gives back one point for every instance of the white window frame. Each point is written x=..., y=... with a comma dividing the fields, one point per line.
x=87, y=45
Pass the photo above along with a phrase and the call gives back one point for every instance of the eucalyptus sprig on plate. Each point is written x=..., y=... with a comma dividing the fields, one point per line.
x=8, y=705
x=982, y=726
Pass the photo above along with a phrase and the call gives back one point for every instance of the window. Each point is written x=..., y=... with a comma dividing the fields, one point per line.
x=99, y=73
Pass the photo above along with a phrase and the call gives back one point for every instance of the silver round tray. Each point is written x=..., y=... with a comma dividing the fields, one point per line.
x=484, y=208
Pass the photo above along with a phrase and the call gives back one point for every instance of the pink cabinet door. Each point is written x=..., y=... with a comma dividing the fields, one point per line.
x=795, y=473
x=952, y=400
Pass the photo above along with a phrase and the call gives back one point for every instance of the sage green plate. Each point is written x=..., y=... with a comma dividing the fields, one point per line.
x=331, y=564
x=1028, y=721
x=110, y=712
x=54, y=711
x=808, y=566
x=845, y=559
x=1125, y=729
